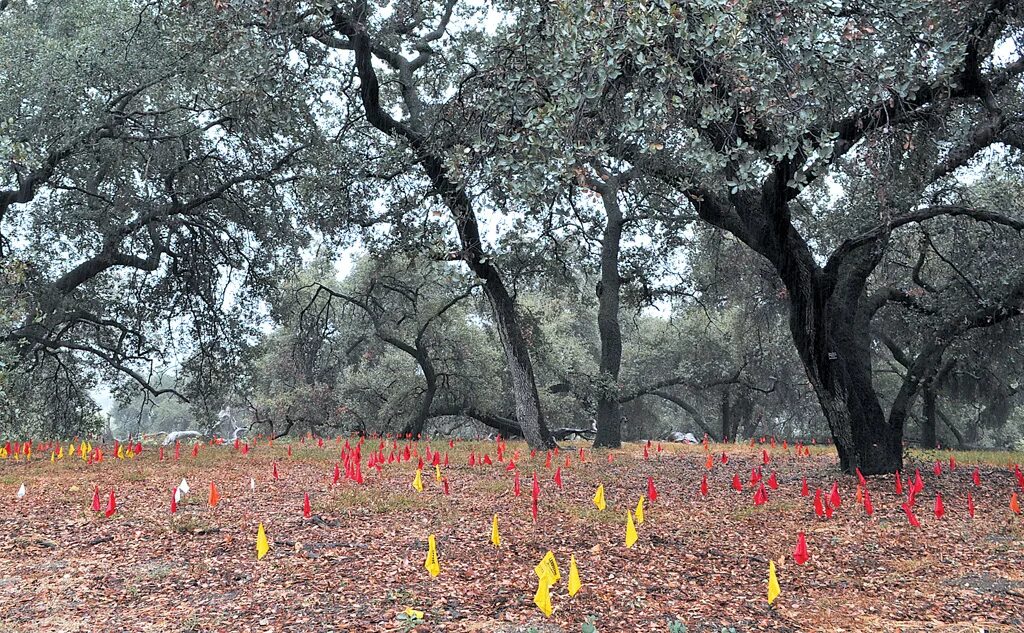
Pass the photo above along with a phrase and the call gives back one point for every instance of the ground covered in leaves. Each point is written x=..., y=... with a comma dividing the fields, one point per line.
x=357, y=564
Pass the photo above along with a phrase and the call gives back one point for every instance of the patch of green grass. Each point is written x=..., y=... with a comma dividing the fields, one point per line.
x=590, y=513
x=136, y=476
x=493, y=486
x=189, y=525
x=1000, y=459
x=354, y=498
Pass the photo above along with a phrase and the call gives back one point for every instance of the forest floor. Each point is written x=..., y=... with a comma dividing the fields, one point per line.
x=359, y=562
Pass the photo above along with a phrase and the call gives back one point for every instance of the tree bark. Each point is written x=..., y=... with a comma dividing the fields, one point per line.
x=609, y=416
x=416, y=424
x=929, y=437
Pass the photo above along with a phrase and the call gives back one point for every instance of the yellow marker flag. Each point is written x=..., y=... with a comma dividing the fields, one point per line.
x=60, y=453
x=120, y=452
x=437, y=473
x=574, y=577
x=543, y=598
x=432, y=565
x=547, y=569
x=52, y=456
x=640, y=511
x=495, y=537
x=599, y=498
x=417, y=483
x=773, y=583
x=262, y=545
x=631, y=535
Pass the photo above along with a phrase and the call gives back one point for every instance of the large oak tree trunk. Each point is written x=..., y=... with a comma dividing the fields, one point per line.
x=517, y=356
x=415, y=426
x=609, y=416
x=929, y=437
x=829, y=322
x=833, y=342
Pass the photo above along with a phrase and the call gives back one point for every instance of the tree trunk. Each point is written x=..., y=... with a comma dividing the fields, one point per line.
x=520, y=369
x=835, y=347
x=829, y=323
x=609, y=417
x=727, y=432
x=415, y=426
x=524, y=385
x=929, y=437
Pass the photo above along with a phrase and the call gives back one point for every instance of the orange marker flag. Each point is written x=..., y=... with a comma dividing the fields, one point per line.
x=1014, y=504
x=214, y=495
x=709, y=463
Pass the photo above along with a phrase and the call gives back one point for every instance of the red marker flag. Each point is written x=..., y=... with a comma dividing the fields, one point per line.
x=976, y=476
x=515, y=485
x=868, y=508
x=819, y=508
x=970, y=504
x=307, y=509
x=558, y=478
x=773, y=483
x=938, y=468
x=860, y=477
x=111, y=505
x=704, y=486
x=940, y=508
x=800, y=554
x=274, y=473
x=805, y=491
x=736, y=484
x=910, y=516
x=833, y=496
x=899, y=484
x=96, y=500
x=174, y=500
x=760, y=496
x=652, y=492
